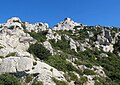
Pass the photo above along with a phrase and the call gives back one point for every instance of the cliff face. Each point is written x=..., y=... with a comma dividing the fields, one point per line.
x=68, y=54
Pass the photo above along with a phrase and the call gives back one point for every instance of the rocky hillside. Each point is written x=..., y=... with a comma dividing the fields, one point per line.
x=70, y=53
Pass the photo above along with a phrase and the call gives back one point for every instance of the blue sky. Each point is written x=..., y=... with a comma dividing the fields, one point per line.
x=90, y=12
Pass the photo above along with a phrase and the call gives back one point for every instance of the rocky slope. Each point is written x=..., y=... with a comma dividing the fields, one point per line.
x=70, y=53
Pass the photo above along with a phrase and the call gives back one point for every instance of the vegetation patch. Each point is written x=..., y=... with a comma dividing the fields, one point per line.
x=28, y=78
x=35, y=82
x=8, y=79
x=40, y=36
x=34, y=63
x=58, y=82
x=39, y=51
x=11, y=54
x=60, y=63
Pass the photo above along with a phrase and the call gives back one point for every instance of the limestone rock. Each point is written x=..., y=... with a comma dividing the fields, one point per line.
x=53, y=35
x=67, y=24
x=73, y=44
x=48, y=46
x=15, y=64
x=45, y=73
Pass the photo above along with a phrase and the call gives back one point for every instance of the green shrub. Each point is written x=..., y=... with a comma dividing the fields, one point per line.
x=34, y=63
x=98, y=81
x=40, y=36
x=35, y=82
x=8, y=79
x=72, y=76
x=24, y=26
x=89, y=72
x=39, y=51
x=60, y=63
x=28, y=78
x=111, y=67
x=11, y=54
x=83, y=78
x=81, y=81
x=1, y=56
x=62, y=44
x=57, y=62
x=1, y=47
x=58, y=82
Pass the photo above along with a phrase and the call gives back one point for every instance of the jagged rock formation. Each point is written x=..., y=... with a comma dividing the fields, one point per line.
x=74, y=54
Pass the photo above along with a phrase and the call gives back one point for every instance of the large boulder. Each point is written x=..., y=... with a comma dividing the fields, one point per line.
x=15, y=64
x=26, y=65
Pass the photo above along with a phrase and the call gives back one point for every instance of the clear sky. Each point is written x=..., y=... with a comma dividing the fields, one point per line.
x=90, y=12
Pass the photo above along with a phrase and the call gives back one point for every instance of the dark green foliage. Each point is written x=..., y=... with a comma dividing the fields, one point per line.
x=39, y=51
x=72, y=76
x=88, y=58
x=40, y=36
x=34, y=63
x=1, y=47
x=112, y=67
x=58, y=82
x=28, y=78
x=8, y=79
x=62, y=44
x=81, y=81
x=60, y=63
x=11, y=54
x=89, y=72
x=35, y=82
x=1, y=56
x=23, y=25
x=99, y=81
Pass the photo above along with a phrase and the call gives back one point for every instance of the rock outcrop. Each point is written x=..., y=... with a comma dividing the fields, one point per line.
x=74, y=50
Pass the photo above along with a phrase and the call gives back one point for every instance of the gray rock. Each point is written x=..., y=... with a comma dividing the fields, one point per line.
x=48, y=46
x=15, y=64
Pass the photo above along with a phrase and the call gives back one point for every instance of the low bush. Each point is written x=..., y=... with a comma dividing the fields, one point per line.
x=34, y=63
x=11, y=54
x=58, y=82
x=40, y=36
x=28, y=78
x=62, y=44
x=1, y=56
x=8, y=79
x=39, y=51
x=81, y=81
x=60, y=63
x=1, y=47
x=89, y=72
x=35, y=82
x=72, y=76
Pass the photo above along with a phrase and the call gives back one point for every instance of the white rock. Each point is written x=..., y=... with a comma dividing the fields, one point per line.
x=15, y=40
x=99, y=70
x=16, y=64
x=48, y=46
x=108, y=48
x=67, y=24
x=45, y=73
x=73, y=44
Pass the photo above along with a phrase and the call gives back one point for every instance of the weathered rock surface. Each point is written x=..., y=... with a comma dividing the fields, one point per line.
x=25, y=64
